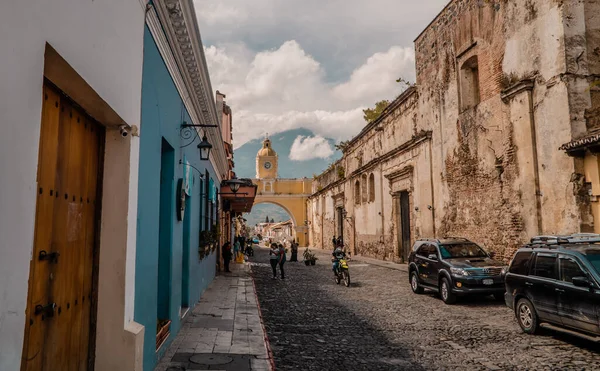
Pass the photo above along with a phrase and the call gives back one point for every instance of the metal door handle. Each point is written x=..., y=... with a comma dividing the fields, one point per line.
x=528, y=284
x=47, y=309
x=52, y=256
x=559, y=290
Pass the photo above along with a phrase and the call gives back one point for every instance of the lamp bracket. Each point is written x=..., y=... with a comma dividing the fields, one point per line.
x=193, y=167
x=188, y=132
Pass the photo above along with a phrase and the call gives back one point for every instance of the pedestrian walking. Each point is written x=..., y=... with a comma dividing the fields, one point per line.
x=334, y=241
x=340, y=242
x=226, y=254
x=274, y=258
x=282, y=259
x=294, y=257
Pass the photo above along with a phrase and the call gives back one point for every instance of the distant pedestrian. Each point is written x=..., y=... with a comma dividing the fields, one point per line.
x=294, y=257
x=282, y=259
x=340, y=242
x=226, y=253
x=334, y=241
x=274, y=257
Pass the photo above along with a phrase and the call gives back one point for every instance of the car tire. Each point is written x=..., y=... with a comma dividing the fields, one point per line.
x=499, y=296
x=446, y=293
x=414, y=283
x=526, y=316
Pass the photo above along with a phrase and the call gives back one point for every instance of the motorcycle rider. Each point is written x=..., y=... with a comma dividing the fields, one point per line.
x=337, y=254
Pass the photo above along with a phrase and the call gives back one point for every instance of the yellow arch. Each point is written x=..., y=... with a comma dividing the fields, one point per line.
x=291, y=195
x=287, y=210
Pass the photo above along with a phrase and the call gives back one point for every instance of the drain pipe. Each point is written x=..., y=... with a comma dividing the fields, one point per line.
x=538, y=193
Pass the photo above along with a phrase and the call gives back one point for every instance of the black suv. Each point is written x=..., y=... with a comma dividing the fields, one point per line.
x=555, y=280
x=453, y=267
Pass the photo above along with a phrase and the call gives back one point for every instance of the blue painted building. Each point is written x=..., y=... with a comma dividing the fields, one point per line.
x=177, y=202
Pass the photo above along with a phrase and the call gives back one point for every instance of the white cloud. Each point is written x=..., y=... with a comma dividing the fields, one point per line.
x=309, y=63
x=217, y=14
x=308, y=148
x=378, y=75
x=285, y=88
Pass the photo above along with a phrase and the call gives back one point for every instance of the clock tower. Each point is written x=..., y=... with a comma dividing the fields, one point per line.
x=266, y=161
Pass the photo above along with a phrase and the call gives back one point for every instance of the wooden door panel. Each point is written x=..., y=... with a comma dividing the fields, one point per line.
x=39, y=284
x=90, y=195
x=66, y=222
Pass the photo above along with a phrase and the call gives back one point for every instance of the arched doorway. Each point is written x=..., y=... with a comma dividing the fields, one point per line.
x=273, y=220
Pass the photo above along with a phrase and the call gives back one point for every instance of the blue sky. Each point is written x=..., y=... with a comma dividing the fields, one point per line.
x=312, y=64
x=303, y=71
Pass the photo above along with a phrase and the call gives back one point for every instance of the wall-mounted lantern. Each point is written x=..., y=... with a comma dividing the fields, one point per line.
x=204, y=148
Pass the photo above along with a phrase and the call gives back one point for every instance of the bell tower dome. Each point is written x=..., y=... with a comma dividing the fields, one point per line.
x=266, y=161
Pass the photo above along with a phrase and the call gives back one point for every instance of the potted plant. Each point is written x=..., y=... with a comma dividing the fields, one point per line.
x=307, y=256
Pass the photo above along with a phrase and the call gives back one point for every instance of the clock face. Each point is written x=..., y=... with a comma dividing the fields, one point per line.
x=267, y=165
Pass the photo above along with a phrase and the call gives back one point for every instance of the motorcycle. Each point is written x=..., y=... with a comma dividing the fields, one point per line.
x=250, y=249
x=342, y=272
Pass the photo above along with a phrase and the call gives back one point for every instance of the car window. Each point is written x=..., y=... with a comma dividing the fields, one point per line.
x=422, y=251
x=520, y=263
x=569, y=269
x=462, y=250
x=593, y=256
x=426, y=250
x=545, y=266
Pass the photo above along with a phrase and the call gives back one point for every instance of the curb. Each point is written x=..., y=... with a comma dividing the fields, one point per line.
x=262, y=323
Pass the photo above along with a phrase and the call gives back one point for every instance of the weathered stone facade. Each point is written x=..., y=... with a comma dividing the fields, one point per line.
x=501, y=85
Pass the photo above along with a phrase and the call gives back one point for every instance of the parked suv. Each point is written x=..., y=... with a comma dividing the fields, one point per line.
x=455, y=267
x=555, y=280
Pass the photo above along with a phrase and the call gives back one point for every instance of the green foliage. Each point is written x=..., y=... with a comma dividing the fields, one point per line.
x=371, y=114
x=209, y=240
x=341, y=146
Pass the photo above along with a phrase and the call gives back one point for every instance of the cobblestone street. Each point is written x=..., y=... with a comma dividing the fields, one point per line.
x=379, y=324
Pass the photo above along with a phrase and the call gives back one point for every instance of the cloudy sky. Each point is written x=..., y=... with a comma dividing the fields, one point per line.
x=313, y=64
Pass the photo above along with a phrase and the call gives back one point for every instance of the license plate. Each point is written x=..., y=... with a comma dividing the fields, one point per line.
x=488, y=281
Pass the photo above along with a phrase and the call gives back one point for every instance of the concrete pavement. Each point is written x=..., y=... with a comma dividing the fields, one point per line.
x=224, y=331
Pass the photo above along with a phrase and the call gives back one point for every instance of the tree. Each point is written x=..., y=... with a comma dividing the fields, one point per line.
x=267, y=219
x=371, y=114
x=272, y=220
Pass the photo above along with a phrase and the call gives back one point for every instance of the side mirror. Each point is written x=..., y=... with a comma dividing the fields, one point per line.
x=581, y=282
x=432, y=257
x=492, y=254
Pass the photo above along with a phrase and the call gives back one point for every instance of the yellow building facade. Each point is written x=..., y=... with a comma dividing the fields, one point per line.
x=290, y=194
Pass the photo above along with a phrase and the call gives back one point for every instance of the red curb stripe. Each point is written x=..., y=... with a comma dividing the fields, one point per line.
x=262, y=323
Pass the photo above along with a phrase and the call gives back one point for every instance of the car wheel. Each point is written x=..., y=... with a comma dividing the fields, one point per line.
x=446, y=292
x=414, y=283
x=526, y=316
x=499, y=296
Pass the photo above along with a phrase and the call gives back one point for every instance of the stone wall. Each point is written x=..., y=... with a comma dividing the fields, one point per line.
x=501, y=85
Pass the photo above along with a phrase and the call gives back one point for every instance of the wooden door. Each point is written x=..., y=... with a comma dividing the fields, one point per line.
x=405, y=225
x=61, y=291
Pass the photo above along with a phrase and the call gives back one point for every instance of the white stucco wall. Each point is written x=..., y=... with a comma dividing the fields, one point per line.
x=103, y=42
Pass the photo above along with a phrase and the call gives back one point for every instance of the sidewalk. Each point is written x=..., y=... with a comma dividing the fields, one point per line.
x=371, y=261
x=224, y=331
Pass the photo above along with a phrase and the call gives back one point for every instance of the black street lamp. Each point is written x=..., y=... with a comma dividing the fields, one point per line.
x=204, y=148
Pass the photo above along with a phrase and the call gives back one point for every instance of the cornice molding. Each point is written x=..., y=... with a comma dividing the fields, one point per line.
x=523, y=85
x=180, y=28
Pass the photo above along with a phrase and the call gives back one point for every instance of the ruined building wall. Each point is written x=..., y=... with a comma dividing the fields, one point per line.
x=501, y=85
x=501, y=176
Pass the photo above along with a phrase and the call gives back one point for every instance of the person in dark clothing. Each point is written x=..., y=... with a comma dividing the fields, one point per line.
x=340, y=242
x=226, y=253
x=334, y=241
x=274, y=258
x=282, y=259
x=294, y=257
